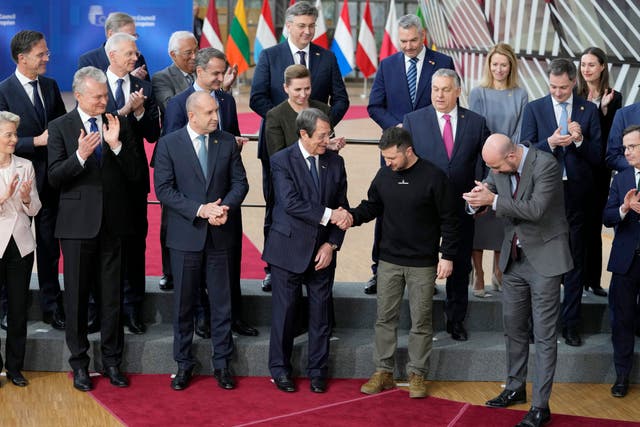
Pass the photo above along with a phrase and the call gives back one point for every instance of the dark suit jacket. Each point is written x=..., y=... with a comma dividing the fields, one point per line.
x=389, y=100
x=95, y=195
x=176, y=112
x=627, y=230
x=167, y=83
x=296, y=233
x=539, y=122
x=147, y=128
x=463, y=167
x=536, y=214
x=14, y=98
x=181, y=187
x=629, y=115
x=98, y=58
x=280, y=125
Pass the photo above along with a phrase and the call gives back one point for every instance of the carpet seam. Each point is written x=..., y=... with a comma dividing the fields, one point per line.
x=460, y=414
x=318, y=408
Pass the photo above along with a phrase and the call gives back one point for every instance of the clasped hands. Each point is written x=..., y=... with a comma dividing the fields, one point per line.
x=559, y=140
x=341, y=218
x=479, y=196
x=215, y=213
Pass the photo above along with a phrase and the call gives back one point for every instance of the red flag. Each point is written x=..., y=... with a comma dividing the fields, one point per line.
x=366, y=55
x=211, y=29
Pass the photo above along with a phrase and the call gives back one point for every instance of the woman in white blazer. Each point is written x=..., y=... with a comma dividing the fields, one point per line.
x=18, y=202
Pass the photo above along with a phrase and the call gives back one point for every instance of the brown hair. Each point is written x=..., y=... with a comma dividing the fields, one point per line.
x=295, y=71
x=582, y=88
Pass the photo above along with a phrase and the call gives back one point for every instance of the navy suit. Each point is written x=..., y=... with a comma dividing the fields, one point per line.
x=198, y=249
x=627, y=116
x=389, y=100
x=539, y=123
x=14, y=98
x=98, y=58
x=462, y=169
x=290, y=249
x=624, y=264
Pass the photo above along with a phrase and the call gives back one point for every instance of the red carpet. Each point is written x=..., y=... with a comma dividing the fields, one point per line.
x=151, y=402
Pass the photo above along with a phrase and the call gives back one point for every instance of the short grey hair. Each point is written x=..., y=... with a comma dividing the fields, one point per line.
x=117, y=20
x=85, y=73
x=176, y=38
x=410, y=21
x=205, y=55
x=116, y=39
x=9, y=117
x=299, y=9
x=195, y=97
x=308, y=118
x=446, y=72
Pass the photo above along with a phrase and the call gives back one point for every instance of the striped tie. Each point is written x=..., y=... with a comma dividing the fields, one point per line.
x=412, y=75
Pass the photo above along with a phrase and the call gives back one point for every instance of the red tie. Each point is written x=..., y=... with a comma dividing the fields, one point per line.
x=447, y=135
x=514, y=241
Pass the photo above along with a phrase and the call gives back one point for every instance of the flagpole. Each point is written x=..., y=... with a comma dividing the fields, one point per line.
x=364, y=89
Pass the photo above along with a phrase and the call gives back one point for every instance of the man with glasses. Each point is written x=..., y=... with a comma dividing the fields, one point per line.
x=267, y=86
x=37, y=100
x=116, y=22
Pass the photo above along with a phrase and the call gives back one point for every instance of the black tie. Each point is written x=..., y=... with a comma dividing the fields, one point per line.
x=94, y=128
x=302, y=54
x=119, y=94
x=37, y=104
x=314, y=171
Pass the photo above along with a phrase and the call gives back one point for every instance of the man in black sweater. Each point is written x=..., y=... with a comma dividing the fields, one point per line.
x=417, y=205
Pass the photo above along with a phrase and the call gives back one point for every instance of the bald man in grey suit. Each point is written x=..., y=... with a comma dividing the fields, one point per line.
x=525, y=188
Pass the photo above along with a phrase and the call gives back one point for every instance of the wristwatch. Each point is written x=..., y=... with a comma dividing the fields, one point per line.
x=333, y=246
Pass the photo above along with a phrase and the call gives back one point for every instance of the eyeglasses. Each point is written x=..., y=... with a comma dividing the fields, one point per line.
x=187, y=53
x=41, y=55
x=630, y=147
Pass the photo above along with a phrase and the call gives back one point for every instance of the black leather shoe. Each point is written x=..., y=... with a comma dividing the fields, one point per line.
x=81, y=379
x=93, y=326
x=266, y=283
x=17, y=378
x=241, y=328
x=54, y=318
x=225, y=380
x=508, y=398
x=457, y=331
x=165, y=283
x=116, y=377
x=599, y=291
x=621, y=387
x=571, y=337
x=318, y=384
x=371, y=288
x=203, y=327
x=134, y=324
x=536, y=417
x=3, y=322
x=182, y=379
x=285, y=383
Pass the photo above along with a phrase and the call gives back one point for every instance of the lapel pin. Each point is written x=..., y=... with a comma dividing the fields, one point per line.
x=581, y=108
x=215, y=141
x=317, y=53
x=431, y=62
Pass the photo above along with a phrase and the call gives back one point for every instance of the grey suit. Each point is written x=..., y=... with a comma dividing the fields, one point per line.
x=167, y=83
x=531, y=284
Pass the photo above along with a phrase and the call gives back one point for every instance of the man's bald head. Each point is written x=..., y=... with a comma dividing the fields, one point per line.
x=500, y=154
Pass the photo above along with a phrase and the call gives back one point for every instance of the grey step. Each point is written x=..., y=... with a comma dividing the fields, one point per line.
x=482, y=358
x=355, y=310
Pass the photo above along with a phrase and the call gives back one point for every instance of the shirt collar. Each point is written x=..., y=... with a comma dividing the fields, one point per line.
x=525, y=151
x=568, y=101
x=85, y=117
x=192, y=133
x=304, y=152
x=453, y=113
x=294, y=50
x=114, y=79
x=24, y=80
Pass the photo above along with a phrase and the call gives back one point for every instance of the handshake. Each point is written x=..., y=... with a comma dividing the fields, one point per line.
x=342, y=218
x=215, y=213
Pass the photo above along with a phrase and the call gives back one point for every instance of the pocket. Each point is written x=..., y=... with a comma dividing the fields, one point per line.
x=282, y=229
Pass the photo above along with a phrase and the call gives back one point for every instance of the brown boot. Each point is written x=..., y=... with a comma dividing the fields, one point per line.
x=380, y=380
x=417, y=386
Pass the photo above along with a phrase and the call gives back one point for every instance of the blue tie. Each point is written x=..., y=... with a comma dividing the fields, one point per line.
x=37, y=104
x=564, y=119
x=412, y=76
x=302, y=54
x=314, y=171
x=202, y=154
x=94, y=128
x=119, y=94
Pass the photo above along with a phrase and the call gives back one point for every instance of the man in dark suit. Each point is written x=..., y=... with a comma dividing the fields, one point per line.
x=625, y=117
x=623, y=213
x=132, y=98
x=200, y=179
x=402, y=85
x=93, y=161
x=211, y=73
x=116, y=22
x=568, y=126
x=310, y=188
x=36, y=109
x=267, y=90
x=451, y=137
x=524, y=189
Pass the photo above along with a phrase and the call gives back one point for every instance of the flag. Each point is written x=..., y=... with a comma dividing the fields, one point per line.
x=366, y=53
x=265, y=35
x=210, y=29
x=238, y=40
x=285, y=33
x=422, y=14
x=321, y=38
x=390, y=37
x=342, y=45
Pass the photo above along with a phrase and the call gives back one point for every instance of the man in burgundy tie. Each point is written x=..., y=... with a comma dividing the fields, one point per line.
x=451, y=137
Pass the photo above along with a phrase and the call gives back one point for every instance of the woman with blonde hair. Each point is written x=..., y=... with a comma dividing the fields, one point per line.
x=501, y=101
